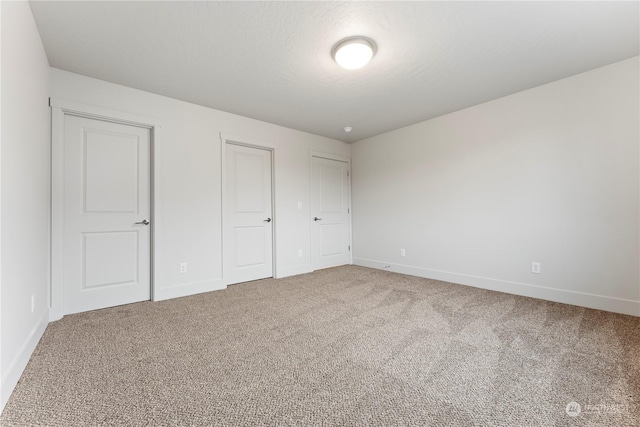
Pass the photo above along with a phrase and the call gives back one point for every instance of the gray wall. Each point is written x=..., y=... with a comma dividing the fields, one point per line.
x=25, y=176
x=548, y=175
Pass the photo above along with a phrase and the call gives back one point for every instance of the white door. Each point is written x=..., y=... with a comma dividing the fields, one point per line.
x=330, y=233
x=248, y=220
x=106, y=232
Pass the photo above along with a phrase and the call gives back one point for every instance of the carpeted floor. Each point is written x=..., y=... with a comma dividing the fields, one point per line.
x=347, y=346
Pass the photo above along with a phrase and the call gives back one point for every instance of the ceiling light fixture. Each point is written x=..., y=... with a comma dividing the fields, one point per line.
x=353, y=52
x=348, y=129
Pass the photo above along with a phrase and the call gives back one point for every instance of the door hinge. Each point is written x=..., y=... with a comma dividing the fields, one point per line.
x=348, y=210
x=349, y=247
x=347, y=173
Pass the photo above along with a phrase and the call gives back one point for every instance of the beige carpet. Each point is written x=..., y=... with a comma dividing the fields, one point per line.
x=347, y=346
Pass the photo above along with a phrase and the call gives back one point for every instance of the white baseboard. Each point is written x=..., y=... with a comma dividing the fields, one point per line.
x=19, y=363
x=187, y=289
x=598, y=302
x=294, y=271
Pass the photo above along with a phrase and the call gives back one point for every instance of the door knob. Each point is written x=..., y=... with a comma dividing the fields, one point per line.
x=143, y=222
x=315, y=218
x=267, y=220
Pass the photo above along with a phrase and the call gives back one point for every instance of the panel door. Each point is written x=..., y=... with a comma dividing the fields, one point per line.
x=330, y=234
x=248, y=228
x=106, y=235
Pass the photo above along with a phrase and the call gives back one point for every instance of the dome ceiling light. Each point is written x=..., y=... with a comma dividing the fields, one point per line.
x=353, y=52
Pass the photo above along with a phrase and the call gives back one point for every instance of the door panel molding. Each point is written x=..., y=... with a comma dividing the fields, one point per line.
x=61, y=108
x=248, y=142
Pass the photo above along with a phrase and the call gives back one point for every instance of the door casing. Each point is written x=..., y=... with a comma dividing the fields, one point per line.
x=340, y=158
x=260, y=145
x=60, y=108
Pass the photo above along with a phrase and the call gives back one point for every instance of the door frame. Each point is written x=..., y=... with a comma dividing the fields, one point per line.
x=258, y=144
x=339, y=158
x=59, y=109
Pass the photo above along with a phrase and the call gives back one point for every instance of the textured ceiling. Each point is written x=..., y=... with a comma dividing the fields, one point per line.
x=271, y=60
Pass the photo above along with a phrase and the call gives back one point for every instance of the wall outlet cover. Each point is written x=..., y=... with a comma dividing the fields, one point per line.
x=535, y=267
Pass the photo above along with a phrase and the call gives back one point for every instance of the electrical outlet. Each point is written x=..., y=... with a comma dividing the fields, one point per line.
x=300, y=253
x=386, y=267
x=183, y=267
x=33, y=302
x=535, y=267
x=403, y=252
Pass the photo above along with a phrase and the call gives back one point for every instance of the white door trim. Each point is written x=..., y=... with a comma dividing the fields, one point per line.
x=59, y=109
x=225, y=139
x=313, y=153
x=323, y=155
